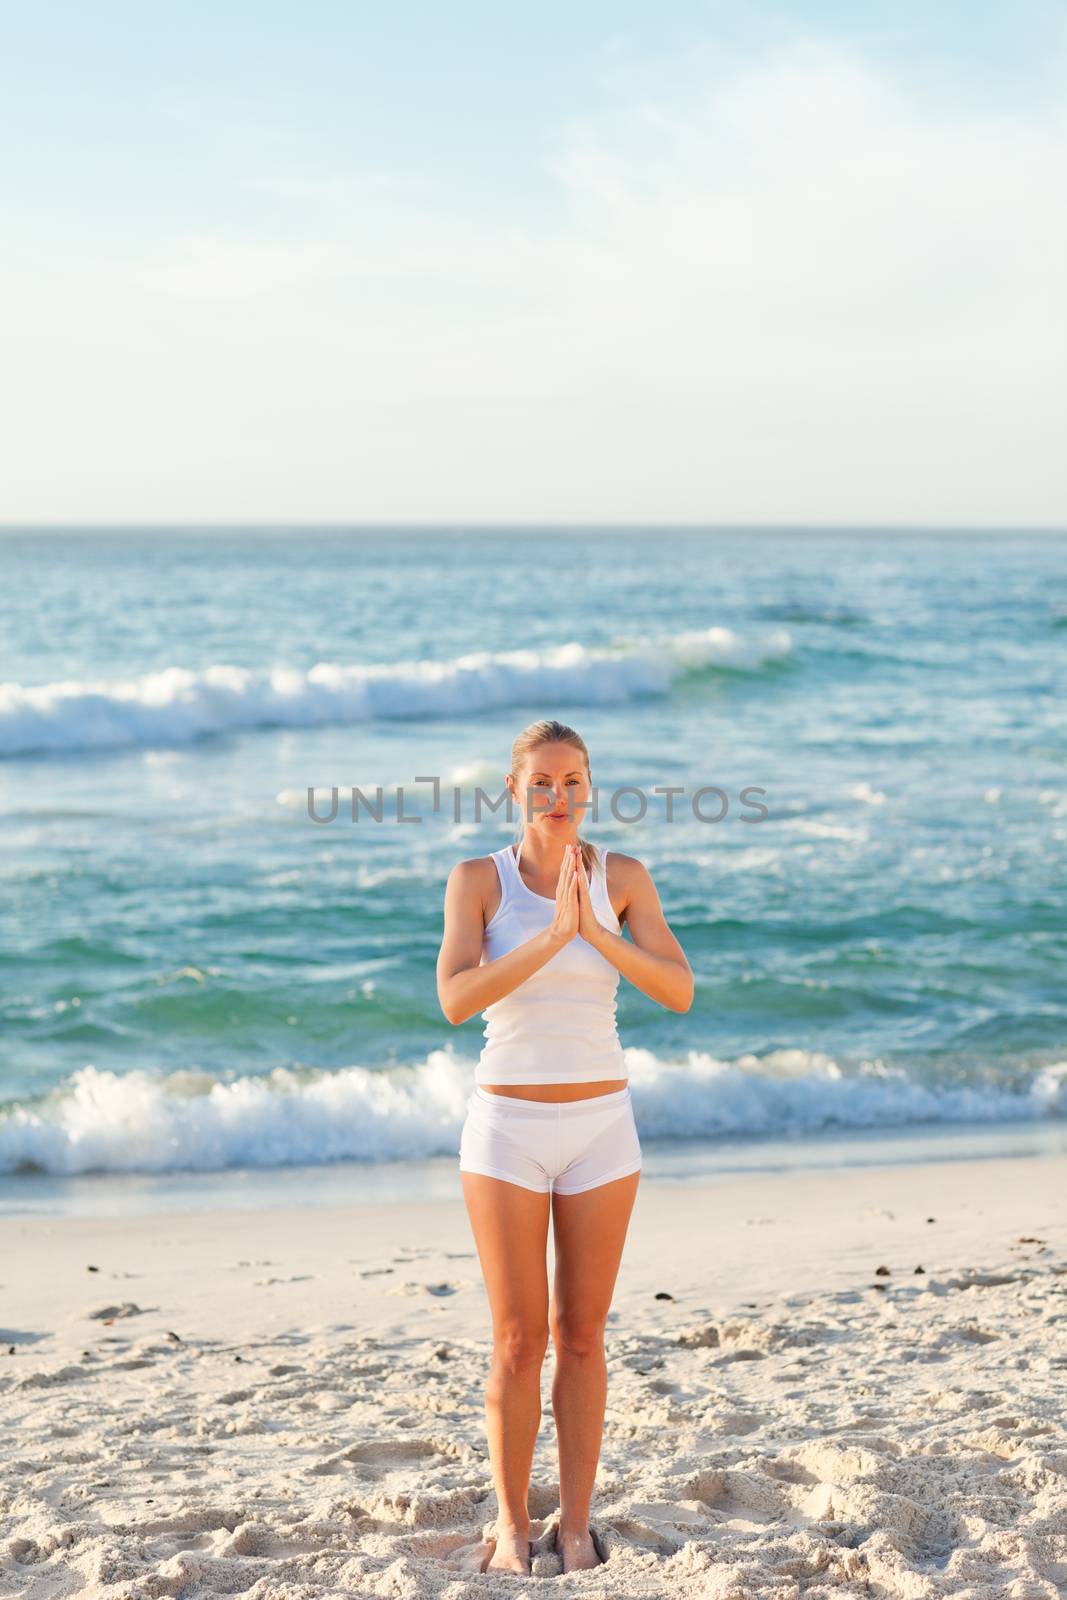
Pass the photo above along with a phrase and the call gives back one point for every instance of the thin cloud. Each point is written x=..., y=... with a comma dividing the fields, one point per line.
x=200, y=266
x=786, y=289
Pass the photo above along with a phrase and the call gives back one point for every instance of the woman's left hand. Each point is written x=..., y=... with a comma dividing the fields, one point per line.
x=589, y=924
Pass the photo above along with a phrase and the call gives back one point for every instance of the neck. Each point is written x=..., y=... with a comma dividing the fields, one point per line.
x=544, y=855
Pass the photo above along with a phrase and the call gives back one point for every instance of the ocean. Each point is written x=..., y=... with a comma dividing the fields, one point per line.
x=208, y=995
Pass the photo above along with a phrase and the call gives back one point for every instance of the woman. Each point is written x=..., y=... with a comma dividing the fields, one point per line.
x=532, y=938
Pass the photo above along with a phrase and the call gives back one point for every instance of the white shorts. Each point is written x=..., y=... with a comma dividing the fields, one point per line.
x=561, y=1145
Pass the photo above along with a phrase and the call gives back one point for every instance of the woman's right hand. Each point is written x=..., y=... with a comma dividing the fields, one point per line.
x=564, y=925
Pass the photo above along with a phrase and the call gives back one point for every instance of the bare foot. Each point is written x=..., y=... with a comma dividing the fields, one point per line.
x=512, y=1553
x=577, y=1550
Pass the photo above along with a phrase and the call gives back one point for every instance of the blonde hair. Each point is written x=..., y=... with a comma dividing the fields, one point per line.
x=548, y=731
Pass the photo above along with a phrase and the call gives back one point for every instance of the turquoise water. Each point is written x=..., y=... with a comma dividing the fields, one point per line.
x=197, y=976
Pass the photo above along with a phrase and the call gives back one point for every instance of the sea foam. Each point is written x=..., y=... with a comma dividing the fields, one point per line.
x=102, y=1121
x=176, y=706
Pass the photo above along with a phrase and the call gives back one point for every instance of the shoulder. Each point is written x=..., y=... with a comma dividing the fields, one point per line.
x=473, y=882
x=627, y=869
x=473, y=873
x=626, y=875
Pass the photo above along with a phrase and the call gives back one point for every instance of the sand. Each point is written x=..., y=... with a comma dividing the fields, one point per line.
x=287, y=1404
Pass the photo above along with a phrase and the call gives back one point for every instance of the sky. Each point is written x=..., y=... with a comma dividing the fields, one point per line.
x=477, y=263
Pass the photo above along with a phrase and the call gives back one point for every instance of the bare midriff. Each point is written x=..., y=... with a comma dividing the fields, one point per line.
x=557, y=1091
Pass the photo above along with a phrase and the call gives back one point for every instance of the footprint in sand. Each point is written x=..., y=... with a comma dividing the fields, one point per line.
x=983, y=1280
x=391, y=1452
x=439, y=1289
x=377, y=1456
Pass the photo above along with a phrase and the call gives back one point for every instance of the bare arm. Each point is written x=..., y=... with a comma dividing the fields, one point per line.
x=655, y=963
x=464, y=985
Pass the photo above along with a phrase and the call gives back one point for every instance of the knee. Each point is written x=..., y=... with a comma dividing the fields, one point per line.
x=518, y=1346
x=577, y=1335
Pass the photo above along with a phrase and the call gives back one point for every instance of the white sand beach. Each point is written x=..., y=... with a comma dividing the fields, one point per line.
x=287, y=1404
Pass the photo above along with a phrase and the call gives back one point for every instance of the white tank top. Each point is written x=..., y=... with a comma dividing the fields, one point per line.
x=557, y=1026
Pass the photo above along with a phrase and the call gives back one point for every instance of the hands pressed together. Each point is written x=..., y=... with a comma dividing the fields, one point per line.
x=574, y=904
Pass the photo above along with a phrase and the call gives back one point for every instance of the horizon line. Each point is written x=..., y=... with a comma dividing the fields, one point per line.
x=555, y=525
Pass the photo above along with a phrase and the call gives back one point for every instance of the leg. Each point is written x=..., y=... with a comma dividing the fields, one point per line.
x=589, y=1230
x=510, y=1226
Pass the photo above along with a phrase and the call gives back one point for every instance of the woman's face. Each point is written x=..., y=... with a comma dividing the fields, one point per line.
x=553, y=789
